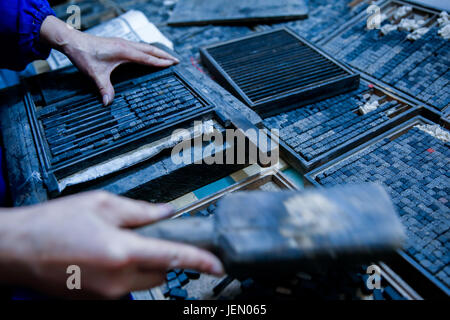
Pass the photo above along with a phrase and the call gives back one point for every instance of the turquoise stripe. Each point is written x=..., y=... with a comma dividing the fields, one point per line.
x=213, y=187
x=295, y=177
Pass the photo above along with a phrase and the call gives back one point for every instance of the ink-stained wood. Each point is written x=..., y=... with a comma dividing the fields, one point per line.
x=23, y=172
x=202, y=12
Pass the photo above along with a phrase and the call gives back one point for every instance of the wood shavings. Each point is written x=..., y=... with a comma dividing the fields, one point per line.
x=410, y=24
x=444, y=24
x=444, y=19
x=388, y=28
x=402, y=11
x=417, y=34
x=445, y=32
x=436, y=131
x=368, y=107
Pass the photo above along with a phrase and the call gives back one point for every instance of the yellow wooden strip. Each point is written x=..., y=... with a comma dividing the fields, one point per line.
x=246, y=172
x=184, y=200
x=41, y=66
x=255, y=169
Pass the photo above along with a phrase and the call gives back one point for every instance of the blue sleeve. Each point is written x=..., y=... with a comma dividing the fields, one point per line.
x=20, y=25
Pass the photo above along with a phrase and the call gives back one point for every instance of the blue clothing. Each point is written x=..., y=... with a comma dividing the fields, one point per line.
x=20, y=25
x=3, y=200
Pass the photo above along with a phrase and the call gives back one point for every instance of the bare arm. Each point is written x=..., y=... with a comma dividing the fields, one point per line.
x=90, y=230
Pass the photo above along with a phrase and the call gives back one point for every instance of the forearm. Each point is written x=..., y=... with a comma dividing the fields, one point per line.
x=12, y=266
x=59, y=35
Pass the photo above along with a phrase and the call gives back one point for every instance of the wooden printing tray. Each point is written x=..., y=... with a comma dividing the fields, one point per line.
x=427, y=284
x=408, y=111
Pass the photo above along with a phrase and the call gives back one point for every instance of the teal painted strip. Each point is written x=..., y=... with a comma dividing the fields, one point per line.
x=295, y=177
x=213, y=187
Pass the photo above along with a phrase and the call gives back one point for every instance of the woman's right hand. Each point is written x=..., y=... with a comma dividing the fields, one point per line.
x=91, y=230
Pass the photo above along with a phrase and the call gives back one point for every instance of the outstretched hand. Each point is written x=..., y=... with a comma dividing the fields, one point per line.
x=98, y=56
x=91, y=231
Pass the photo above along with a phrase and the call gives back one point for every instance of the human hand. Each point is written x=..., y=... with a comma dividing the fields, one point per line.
x=90, y=230
x=98, y=56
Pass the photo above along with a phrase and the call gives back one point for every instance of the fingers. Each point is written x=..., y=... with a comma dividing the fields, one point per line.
x=160, y=254
x=131, y=52
x=104, y=85
x=147, y=59
x=154, y=51
x=127, y=213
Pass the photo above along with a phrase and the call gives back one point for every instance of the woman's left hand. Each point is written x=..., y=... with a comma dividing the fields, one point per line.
x=98, y=56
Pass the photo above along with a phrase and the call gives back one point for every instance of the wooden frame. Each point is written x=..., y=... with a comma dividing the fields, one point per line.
x=290, y=99
x=428, y=284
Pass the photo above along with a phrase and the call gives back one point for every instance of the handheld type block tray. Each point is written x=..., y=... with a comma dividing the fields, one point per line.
x=276, y=71
x=291, y=230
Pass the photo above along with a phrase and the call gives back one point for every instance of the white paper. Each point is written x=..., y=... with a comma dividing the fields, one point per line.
x=132, y=25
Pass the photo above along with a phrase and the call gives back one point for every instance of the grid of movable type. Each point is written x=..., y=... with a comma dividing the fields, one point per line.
x=418, y=67
x=324, y=17
x=414, y=167
x=315, y=129
x=80, y=129
x=337, y=284
x=187, y=40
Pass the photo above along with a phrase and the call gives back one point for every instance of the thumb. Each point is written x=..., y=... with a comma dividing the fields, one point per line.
x=103, y=82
